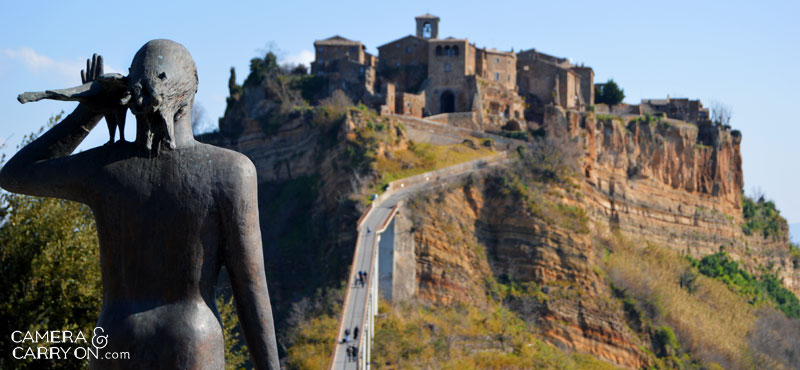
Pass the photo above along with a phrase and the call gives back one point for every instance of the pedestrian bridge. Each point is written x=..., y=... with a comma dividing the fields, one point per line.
x=385, y=251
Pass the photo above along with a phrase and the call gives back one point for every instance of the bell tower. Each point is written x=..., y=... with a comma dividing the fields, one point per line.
x=427, y=26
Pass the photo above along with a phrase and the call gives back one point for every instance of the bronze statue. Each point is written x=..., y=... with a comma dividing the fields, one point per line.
x=170, y=212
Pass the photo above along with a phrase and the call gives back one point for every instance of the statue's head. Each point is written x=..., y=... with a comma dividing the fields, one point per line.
x=163, y=81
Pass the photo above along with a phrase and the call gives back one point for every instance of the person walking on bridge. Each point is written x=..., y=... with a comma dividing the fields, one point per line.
x=355, y=334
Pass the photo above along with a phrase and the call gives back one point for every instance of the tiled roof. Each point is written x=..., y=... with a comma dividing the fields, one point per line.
x=336, y=40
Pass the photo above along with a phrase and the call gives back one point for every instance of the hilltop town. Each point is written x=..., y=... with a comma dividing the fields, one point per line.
x=453, y=81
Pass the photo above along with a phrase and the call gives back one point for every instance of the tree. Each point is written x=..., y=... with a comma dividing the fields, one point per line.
x=608, y=93
x=721, y=114
x=49, y=269
x=300, y=69
x=200, y=123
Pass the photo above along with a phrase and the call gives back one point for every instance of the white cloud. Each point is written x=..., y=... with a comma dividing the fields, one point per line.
x=303, y=57
x=38, y=63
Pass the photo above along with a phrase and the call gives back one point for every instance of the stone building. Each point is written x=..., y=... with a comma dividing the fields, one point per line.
x=544, y=79
x=405, y=61
x=424, y=75
x=683, y=109
x=346, y=65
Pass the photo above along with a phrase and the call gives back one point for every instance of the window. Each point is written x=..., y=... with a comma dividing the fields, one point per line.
x=426, y=30
x=439, y=51
x=447, y=67
x=408, y=49
x=352, y=49
x=509, y=78
x=497, y=60
x=397, y=64
x=525, y=68
x=361, y=71
x=319, y=49
x=447, y=51
x=497, y=76
x=455, y=50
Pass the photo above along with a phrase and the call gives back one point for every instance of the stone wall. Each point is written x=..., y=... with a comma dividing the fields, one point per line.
x=405, y=262
x=389, y=102
x=409, y=50
x=467, y=120
x=551, y=80
x=499, y=101
x=568, y=84
x=619, y=110
x=682, y=109
x=352, y=51
x=410, y=104
x=355, y=79
x=586, y=75
x=496, y=66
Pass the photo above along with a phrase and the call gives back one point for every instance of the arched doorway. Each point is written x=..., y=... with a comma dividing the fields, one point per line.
x=447, y=102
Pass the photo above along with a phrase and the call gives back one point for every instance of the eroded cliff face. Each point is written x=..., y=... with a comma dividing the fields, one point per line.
x=468, y=236
x=672, y=183
x=666, y=183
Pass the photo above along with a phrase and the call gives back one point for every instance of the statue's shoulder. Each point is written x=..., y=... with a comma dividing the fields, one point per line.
x=232, y=165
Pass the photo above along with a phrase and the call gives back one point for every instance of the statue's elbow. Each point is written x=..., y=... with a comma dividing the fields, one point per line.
x=9, y=178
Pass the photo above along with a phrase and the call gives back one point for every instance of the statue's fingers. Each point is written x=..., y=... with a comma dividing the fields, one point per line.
x=94, y=66
x=83, y=76
x=99, y=65
x=88, y=70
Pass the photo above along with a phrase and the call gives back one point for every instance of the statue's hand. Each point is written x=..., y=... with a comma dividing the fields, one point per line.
x=109, y=92
x=94, y=69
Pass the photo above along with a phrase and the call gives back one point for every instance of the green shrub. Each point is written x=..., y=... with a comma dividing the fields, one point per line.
x=666, y=342
x=767, y=288
x=761, y=216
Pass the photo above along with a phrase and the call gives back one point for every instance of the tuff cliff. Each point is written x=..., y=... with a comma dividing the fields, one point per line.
x=487, y=236
x=672, y=183
x=655, y=182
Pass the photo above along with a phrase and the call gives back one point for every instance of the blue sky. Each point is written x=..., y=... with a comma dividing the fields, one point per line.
x=740, y=53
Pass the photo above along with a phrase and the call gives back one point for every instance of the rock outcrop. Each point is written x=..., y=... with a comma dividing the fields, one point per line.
x=467, y=235
x=671, y=183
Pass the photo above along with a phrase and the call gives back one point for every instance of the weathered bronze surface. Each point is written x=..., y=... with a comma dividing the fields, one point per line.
x=170, y=213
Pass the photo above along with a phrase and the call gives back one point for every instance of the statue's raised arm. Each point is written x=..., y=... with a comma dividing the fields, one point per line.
x=43, y=167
